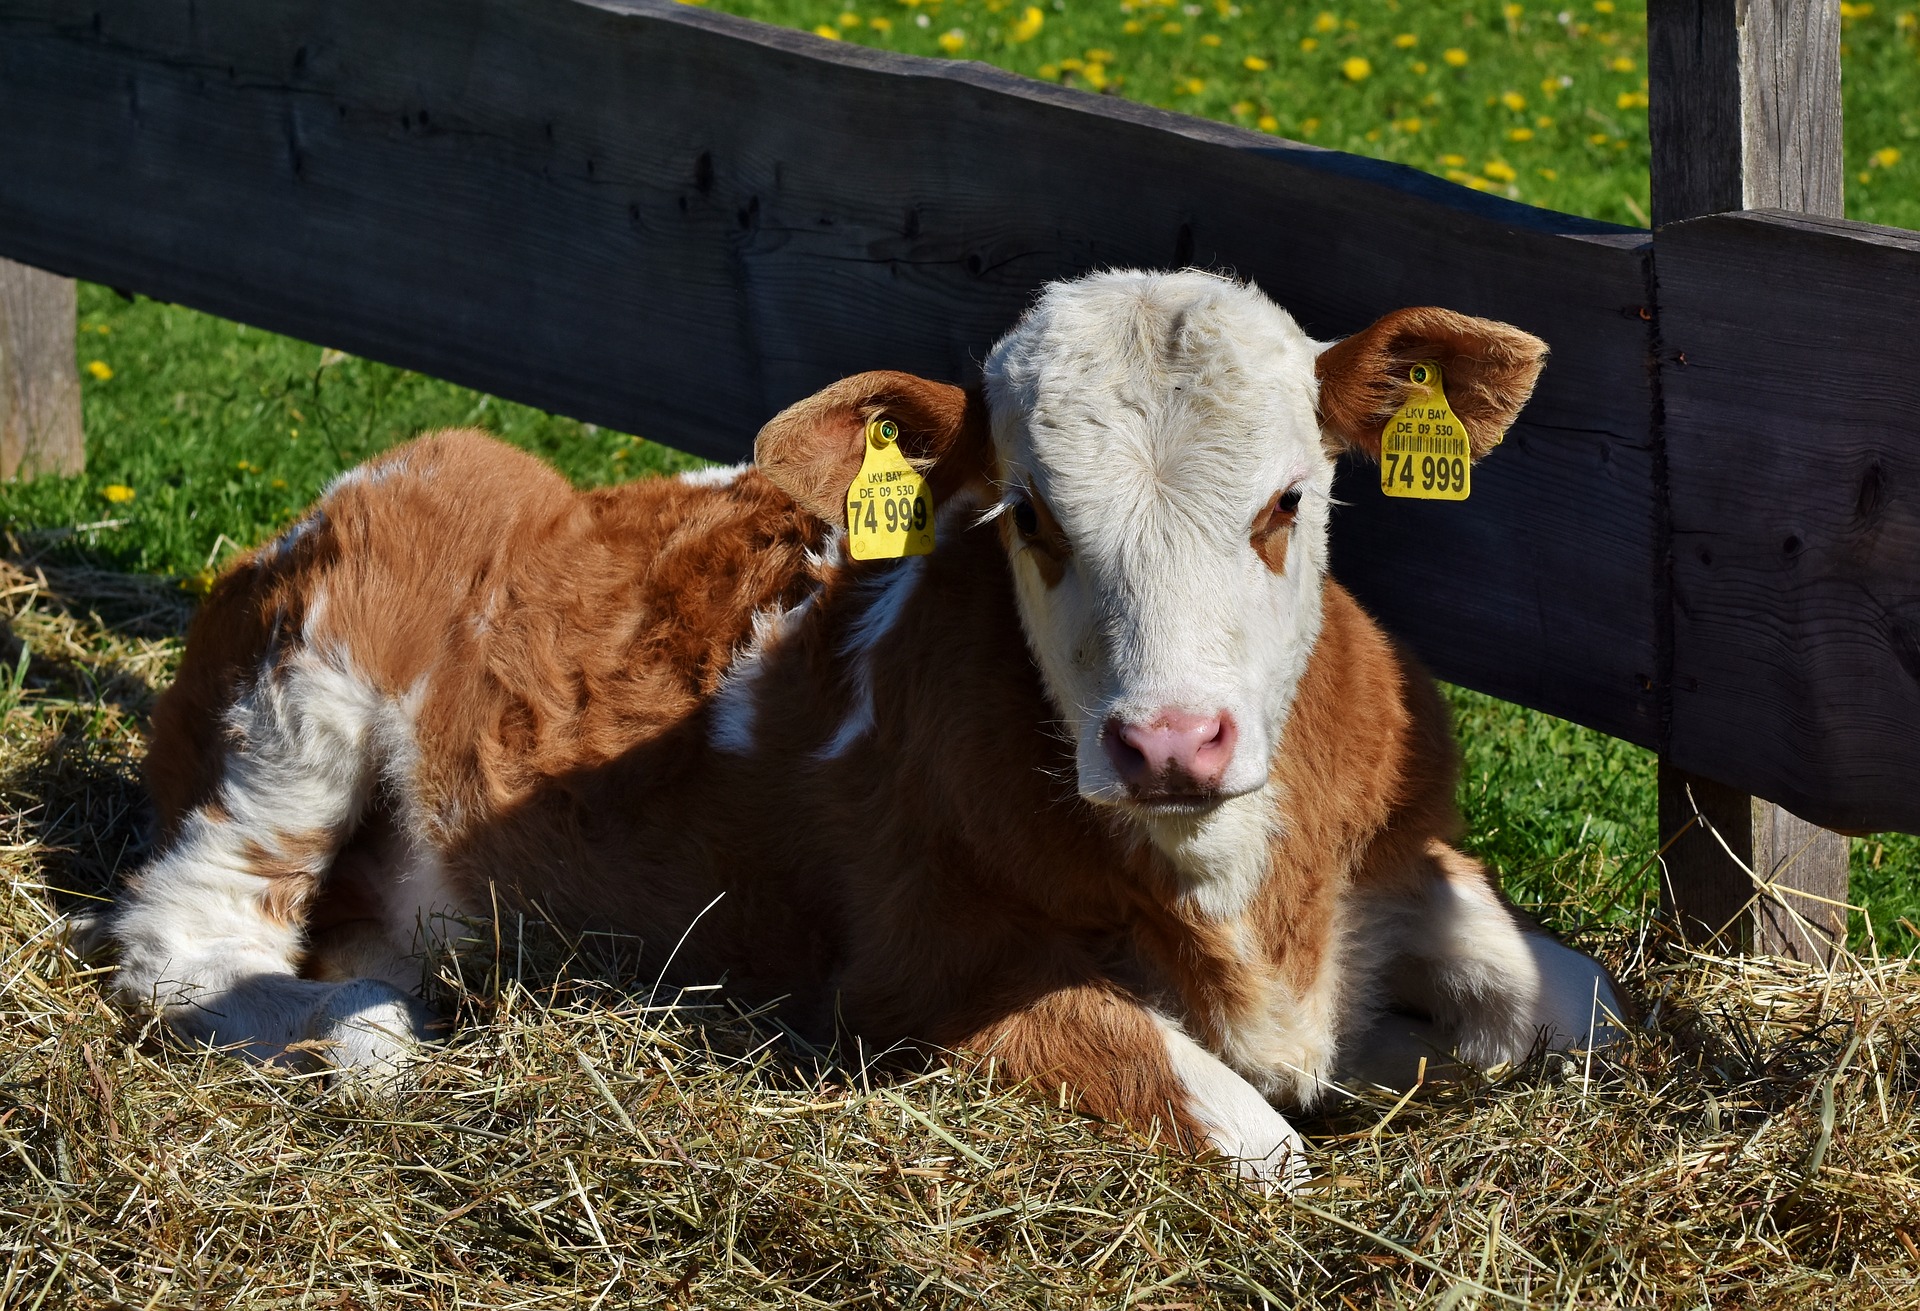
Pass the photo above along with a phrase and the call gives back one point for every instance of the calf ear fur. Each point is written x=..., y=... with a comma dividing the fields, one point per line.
x=1486, y=368
x=812, y=449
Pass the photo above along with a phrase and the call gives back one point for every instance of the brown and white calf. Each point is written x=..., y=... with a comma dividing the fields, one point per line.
x=1114, y=789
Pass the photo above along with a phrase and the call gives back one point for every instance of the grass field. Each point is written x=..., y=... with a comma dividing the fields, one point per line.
x=1753, y=1148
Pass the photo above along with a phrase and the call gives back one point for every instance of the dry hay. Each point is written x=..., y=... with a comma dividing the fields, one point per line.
x=577, y=1146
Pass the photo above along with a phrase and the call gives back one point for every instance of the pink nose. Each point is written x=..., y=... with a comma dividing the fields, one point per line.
x=1174, y=754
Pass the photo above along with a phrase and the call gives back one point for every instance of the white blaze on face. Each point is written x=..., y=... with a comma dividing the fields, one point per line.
x=1157, y=417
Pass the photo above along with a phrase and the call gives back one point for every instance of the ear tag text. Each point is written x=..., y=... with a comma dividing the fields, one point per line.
x=889, y=510
x=1423, y=450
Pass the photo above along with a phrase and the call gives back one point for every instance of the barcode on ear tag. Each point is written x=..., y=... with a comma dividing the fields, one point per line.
x=889, y=510
x=1423, y=450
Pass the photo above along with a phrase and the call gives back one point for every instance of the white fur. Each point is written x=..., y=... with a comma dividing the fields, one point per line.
x=310, y=736
x=1491, y=986
x=1237, y=1119
x=716, y=475
x=1157, y=415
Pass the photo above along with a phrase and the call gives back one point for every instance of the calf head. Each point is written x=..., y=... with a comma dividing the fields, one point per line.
x=1158, y=452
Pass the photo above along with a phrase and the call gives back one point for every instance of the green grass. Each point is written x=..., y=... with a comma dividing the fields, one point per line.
x=223, y=433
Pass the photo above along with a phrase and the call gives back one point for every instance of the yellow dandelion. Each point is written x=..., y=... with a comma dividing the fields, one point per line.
x=1049, y=71
x=1308, y=44
x=1072, y=65
x=1631, y=100
x=1549, y=87
x=1499, y=170
x=1095, y=76
x=1406, y=40
x=104, y=329
x=118, y=493
x=1099, y=56
x=1420, y=66
x=1326, y=23
x=953, y=41
x=201, y=583
x=1598, y=139
x=1169, y=29
x=881, y=25
x=1308, y=126
x=1513, y=100
x=1241, y=108
x=1621, y=64
x=1455, y=57
x=99, y=369
x=280, y=484
x=1865, y=178
x=1133, y=27
x=1211, y=40
x=1520, y=134
x=1602, y=6
x=1356, y=69
x=1409, y=125
x=1454, y=161
x=1268, y=123
x=1255, y=64
x=828, y=31
x=1194, y=86
x=1886, y=157
x=1550, y=174
x=1028, y=25
x=1512, y=12
x=849, y=19
x=1854, y=11
x=1543, y=122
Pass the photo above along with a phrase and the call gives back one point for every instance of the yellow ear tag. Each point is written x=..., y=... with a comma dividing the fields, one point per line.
x=889, y=510
x=1423, y=452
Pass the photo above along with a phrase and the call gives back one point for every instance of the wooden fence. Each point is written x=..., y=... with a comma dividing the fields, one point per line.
x=1703, y=536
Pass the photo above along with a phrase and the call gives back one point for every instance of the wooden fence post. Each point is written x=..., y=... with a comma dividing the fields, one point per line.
x=1745, y=113
x=39, y=380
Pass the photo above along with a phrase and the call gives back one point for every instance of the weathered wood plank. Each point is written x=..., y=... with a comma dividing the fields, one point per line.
x=39, y=379
x=1792, y=427
x=1773, y=883
x=1693, y=108
x=674, y=222
x=1744, y=106
x=1745, y=113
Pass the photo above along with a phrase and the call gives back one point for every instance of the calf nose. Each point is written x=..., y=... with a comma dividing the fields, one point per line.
x=1176, y=753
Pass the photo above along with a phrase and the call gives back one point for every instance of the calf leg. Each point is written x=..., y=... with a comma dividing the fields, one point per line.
x=1122, y=1061
x=1492, y=984
x=212, y=931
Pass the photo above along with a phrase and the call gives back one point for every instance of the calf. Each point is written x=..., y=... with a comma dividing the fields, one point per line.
x=1114, y=788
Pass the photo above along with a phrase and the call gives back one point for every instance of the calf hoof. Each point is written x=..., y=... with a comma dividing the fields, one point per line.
x=371, y=1033
x=1283, y=1170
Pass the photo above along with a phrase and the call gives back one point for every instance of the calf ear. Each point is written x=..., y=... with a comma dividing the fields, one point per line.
x=813, y=448
x=1487, y=370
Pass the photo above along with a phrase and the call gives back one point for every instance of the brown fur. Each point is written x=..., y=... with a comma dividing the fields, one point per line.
x=1487, y=370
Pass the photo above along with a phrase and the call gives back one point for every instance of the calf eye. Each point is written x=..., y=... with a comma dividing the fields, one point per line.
x=1025, y=518
x=1270, y=530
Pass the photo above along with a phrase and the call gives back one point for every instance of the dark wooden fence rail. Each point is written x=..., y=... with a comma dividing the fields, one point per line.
x=674, y=223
